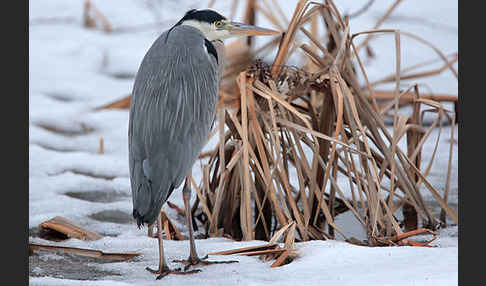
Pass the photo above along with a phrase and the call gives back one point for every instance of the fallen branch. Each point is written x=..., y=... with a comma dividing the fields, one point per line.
x=262, y=252
x=284, y=258
x=401, y=239
x=83, y=252
x=245, y=249
x=61, y=225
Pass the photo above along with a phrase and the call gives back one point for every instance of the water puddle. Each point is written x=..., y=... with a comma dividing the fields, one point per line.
x=114, y=216
x=97, y=196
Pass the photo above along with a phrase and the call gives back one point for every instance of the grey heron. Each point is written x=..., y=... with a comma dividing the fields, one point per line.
x=172, y=109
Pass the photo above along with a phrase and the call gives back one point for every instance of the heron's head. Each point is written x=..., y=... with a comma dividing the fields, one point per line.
x=214, y=26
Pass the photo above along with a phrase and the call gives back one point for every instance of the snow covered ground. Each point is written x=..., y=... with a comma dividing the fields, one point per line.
x=73, y=70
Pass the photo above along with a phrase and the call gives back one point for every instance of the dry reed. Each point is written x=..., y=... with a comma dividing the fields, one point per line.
x=291, y=139
x=289, y=135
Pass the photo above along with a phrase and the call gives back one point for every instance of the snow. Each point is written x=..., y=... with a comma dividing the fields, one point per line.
x=73, y=70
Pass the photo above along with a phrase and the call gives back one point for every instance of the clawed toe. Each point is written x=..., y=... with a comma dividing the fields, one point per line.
x=201, y=261
x=165, y=272
x=153, y=271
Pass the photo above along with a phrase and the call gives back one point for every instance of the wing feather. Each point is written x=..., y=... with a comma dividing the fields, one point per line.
x=172, y=108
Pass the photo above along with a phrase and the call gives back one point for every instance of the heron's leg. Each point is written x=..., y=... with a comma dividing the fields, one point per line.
x=186, y=196
x=193, y=258
x=164, y=269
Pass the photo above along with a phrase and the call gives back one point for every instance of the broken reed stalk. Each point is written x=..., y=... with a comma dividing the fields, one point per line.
x=249, y=18
x=296, y=132
x=83, y=252
x=64, y=228
x=91, y=15
x=102, y=146
x=413, y=138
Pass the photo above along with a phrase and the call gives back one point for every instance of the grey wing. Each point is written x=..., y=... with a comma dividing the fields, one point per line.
x=172, y=108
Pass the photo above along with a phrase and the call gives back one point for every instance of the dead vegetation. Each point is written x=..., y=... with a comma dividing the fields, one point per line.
x=81, y=252
x=60, y=229
x=294, y=140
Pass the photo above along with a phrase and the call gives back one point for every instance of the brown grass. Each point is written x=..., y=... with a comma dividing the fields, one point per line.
x=287, y=133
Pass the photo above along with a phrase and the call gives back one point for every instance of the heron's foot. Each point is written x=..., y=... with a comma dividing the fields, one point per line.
x=166, y=271
x=192, y=261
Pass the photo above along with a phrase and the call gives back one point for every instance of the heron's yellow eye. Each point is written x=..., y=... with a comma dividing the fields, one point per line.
x=219, y=24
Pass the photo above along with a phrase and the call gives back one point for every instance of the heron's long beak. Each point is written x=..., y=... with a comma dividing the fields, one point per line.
x=240, y=29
